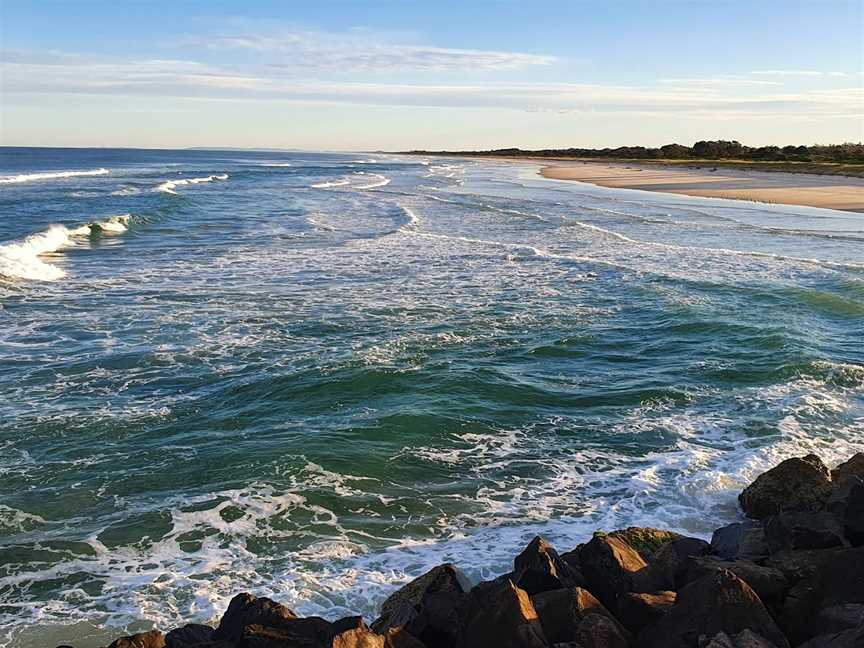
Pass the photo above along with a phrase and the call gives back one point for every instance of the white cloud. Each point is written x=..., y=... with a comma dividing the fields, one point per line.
x=57, y=73
x=367, y=51
x=799, y=73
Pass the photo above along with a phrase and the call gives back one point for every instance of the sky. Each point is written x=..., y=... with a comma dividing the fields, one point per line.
x=432, y=74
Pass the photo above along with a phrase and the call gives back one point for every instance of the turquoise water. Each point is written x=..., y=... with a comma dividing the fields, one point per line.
x=314, y=375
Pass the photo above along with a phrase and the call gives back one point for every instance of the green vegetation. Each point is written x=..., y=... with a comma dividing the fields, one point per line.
x=832, y=159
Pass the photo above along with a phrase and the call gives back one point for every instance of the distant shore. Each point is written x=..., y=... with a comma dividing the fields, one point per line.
x=717, y=181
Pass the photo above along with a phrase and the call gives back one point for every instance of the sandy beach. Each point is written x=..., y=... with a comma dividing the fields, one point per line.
x=830, y=192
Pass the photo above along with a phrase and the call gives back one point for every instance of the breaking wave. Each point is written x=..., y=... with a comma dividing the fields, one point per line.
x=50, y=175
x=21, y=259
x=170, y=185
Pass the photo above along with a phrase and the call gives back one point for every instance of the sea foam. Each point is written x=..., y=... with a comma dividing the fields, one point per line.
x=50, y=175
x=170, y=185
x=20, y=259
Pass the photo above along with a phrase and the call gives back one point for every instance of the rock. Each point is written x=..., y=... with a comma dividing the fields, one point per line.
x=740, y=540
x=599, y=631
x=638, y=610
x=400, y=638
x=150, y=639
x=847, y=505
x=189, y=636
x=837, y=618
x=358, y=638
x=309, y=632
x=671, y=559
x=744, y=639
x=770, y=584
x=245, y=609
x=853, y=467
x=645, y=540
x=561, y=612
x=539, y=568
x=797, y=484
x=500, y=615
x=612, y=567
x=718, y=602
x=428, y=607
x=796, y=530
x=847, y=639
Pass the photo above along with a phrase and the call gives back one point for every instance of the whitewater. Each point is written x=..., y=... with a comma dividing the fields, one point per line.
x=313, y=376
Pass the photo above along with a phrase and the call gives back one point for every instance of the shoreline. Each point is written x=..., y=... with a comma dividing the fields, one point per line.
x=843, y=193
x=788, y=573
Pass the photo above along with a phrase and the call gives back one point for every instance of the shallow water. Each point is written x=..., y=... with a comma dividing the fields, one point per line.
x=312, y=376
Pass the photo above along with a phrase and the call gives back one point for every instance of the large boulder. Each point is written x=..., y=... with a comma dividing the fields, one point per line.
x=718, y=602
x=244, y=610
x=770, y=584
x=797, y=484
x=671, y=560
x=562, y=612
x=744, y=639
x=500, y=615
x=189, y=636
x=598, y=631
x=149, y=639
x=612, y=567
x=798, y=530
x=539, y=568
x=847, y=505
x=853, y=467
x=428, y=607
x=645, y=540
x=309, y=632
x=637, y=611
x=853, y=638
x=740, y=540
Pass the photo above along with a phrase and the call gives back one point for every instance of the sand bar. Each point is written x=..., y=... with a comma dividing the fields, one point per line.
x=830, y=192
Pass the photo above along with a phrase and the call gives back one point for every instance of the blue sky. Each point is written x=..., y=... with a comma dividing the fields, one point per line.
x=396, y=75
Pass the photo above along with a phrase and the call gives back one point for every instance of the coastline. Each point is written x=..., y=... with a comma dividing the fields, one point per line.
x=827, y=192
x=789, y=573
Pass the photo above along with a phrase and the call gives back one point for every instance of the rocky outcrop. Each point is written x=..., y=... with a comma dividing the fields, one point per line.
x=793, y=576
x=797, y=484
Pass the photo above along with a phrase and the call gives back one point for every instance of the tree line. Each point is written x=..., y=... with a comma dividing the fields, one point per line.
x=702, y=150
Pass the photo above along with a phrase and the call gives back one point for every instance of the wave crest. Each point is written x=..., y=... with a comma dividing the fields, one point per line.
x=170, y=185
x=50, y=175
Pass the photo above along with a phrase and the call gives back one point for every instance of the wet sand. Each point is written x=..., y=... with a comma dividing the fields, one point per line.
x=830, y=192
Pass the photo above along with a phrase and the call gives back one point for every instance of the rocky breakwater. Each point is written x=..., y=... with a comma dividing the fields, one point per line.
x=792, y=574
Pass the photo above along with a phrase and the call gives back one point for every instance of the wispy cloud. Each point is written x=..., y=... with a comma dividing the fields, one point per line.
x=789, y=73
x=59, y=73
x=365, y=50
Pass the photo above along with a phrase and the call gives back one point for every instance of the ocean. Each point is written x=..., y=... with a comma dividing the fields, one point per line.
x=315, y=376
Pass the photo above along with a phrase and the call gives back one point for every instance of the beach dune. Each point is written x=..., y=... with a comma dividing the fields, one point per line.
x=830, y=192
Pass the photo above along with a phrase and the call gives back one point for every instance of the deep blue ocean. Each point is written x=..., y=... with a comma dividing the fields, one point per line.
x=313, y=376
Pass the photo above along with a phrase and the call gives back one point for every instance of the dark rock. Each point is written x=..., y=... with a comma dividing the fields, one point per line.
x=770, y=584
x=672, y=559
x=740, y=540
x=309, y=632
x=847, y=639
x=599, y=631
x=500, y=615
x=744, y=639
x=719, y=602
x=797, y=484
x=428, y=607
x=561, y=612
x=360, y=637
x=645, y=540
x=847, y=505
x=189, y=636
x=612, y=567
x=539, y=568
x=245, y=609
x=401, y=638
x=150, y=639
x=638, y=610
x=837, y=618
x=853, y=467
x=796, y=530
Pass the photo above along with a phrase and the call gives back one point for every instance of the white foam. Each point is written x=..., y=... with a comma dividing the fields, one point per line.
x=278, y=164
x=50, y=175
x=20, y=260
x=126, y=191
x=381, y=182
x=170, y=185
x=331, y=183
